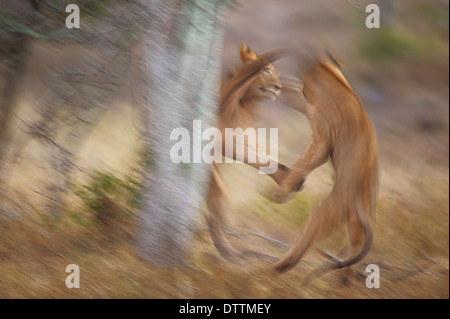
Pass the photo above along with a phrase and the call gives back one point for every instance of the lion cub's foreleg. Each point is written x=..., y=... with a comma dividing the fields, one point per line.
x=316, y=155
x=261, y=160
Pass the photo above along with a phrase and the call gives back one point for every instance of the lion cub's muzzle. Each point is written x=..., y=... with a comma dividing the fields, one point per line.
x=275, y=90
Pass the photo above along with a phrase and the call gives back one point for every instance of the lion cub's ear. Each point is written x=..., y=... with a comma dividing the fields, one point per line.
x=335, y=59
x=247, y=53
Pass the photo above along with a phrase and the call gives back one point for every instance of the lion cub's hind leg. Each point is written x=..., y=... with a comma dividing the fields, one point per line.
x=217, y=205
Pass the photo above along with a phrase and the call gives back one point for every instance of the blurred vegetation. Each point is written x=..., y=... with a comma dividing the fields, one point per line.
x=115, y=20
x=110, y=199
x=11, y=23
x=418, y=33
x=293, y=213
x=45, y=20
x=389, y=44
x=436, y=18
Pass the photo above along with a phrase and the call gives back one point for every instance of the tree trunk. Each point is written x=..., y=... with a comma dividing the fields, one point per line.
x=182, y=56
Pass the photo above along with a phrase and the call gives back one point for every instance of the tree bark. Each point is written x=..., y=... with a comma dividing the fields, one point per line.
x=182, y=56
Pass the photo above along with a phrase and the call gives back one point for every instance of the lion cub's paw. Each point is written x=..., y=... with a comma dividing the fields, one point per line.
x=278, y=195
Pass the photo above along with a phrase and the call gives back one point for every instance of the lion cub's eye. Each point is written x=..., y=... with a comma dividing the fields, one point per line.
x=267, y=70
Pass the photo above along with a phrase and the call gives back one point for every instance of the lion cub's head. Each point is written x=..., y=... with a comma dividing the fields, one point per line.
x=266, y=84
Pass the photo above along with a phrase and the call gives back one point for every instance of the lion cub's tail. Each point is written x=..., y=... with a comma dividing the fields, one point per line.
x=324, y=220
x=367, y=225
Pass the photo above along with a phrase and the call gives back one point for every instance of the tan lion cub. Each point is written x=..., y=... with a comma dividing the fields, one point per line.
x=257, y=79
x=342, y=132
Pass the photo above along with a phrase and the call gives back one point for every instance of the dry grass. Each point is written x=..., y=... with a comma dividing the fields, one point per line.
x=411, y=249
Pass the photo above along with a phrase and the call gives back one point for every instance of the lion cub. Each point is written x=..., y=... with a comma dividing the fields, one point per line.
x=257, y=79
x=342, y=132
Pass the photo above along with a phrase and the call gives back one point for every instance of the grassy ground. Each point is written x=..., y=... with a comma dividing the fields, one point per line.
x=411, y=249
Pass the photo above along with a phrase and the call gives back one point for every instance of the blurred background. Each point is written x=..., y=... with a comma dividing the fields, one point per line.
x=70, y=177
